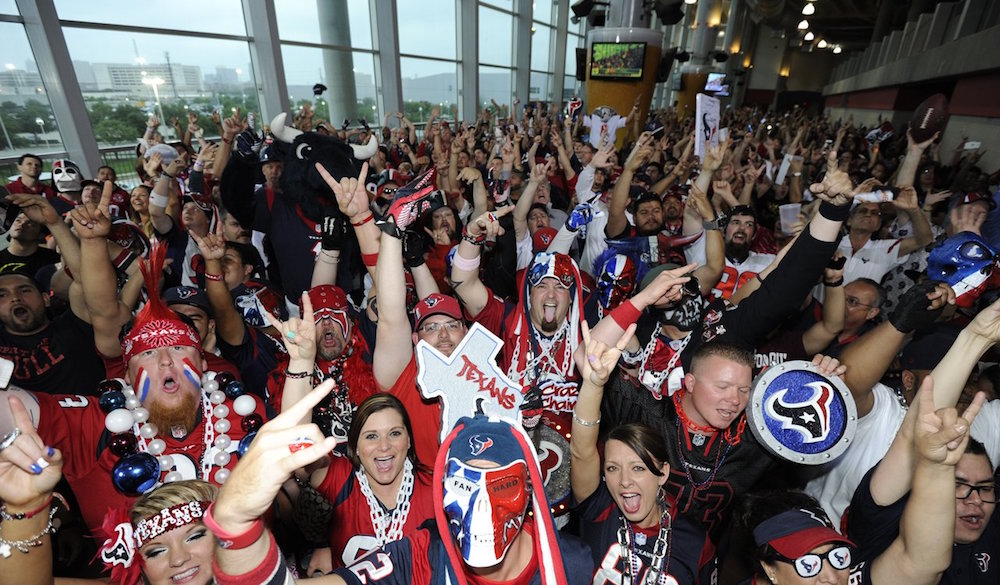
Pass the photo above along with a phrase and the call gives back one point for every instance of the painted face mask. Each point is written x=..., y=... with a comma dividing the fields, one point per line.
x=686, y=312
x=558, y=266
x=66, y=177
x=967, y=263
x=605, y=113
x=617, y=281
x=485, y=509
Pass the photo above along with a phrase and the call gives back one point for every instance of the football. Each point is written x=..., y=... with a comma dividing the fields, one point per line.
x=929, y=117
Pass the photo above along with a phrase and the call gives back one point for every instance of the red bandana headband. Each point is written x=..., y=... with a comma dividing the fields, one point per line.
x=120, y=550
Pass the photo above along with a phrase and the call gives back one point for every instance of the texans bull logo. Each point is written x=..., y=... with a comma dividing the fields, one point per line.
x=810, y=417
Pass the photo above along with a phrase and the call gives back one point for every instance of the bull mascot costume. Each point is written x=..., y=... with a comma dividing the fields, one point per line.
x=291, y=217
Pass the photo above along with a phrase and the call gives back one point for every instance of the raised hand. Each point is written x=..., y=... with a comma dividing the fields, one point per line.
x=281, y=447
x=699, y=200
x=38, y=209
x=906, y=200
x=212, y=246
x=93, y=221
x=940, y=435
x=714, y=155
x=352, y=198
x=29, y=469
x=602, y=156
x=667, y=287
x=297, y=335
x=601, y=359
x=470, y=175
x=488, y=224
x=581, y=215
x=836, y=187
x=986, y=324
x=153, y=164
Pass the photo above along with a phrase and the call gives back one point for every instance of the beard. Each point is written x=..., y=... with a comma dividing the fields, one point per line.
x=170, y=418
x=738, y=252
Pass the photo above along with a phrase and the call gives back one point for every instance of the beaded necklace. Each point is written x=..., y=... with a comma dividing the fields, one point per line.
x=731, y=441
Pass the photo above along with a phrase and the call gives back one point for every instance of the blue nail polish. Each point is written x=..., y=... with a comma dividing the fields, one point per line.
x=50, y=451
x=35, y=468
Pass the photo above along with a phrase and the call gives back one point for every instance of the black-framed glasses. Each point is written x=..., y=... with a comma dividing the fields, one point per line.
x=453, y=325
x=811, y=564
x=987, y=493
x=871, y=212
x=855, y=302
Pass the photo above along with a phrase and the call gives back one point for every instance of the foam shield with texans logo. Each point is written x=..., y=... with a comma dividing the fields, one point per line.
x=800, y=415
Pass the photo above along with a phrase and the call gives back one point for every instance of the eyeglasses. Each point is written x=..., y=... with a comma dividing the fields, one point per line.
x=869, y=212
x=450, y=326
x=987, y=493
x=811, y=564
x=854, y=302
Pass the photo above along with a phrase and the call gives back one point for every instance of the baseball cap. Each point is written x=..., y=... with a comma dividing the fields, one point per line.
x=794, y=533
x=654, y=272
x=486, y=440
x=325, y=298
x=187, y=295
x=204, y=202
x=542, y=238
x=436, y=304
x=972, y=197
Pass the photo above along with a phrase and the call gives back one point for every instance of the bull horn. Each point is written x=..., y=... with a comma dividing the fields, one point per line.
x=367, y=151
x=281, y=132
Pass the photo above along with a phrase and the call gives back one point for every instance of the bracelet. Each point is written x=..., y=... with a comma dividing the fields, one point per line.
x=329, y=259
x=25, y=515
x=198, y=165
x=165, y=174
x=837, y=282
x=364, y=221
x=213, y=277
x=710, y=224
x=228, y=540
x=297, y=375
x=28, y=543
x=270, y=570
x=759, y=279
x=474, y=240
x=227, y=141
x=585, y=423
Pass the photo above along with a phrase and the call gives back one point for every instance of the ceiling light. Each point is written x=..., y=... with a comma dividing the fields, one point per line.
x=804, y=25
x=809, y=10
x=821, y=44
x=809, y=36
x=837, y=50
x=690, y=1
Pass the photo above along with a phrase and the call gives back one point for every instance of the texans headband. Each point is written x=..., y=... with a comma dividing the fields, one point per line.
x=800, y=415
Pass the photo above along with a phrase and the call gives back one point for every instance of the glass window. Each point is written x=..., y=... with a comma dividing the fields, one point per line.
x=571, y=87
x=495, y=35
x=26, y=120
x=127, y=76
x=542, y=10
x=539, y=86
x=217, y=16
x=540, y=37
x=8, y=7
x=300, y=20
x=305, y=66
x=427, y=31
x=429, y=84
x=505, y=4
x=494, y=84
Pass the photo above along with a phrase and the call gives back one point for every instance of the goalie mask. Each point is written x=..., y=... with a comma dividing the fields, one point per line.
x=967, y=263
x=66, y=176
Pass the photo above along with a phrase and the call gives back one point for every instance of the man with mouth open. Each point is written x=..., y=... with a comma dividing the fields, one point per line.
x=742, y=264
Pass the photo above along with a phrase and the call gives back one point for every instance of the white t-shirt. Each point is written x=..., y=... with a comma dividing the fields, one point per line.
x=734, y=274
x=875, y=432
x=986, y=430
x=873, y=260
x=598, y=128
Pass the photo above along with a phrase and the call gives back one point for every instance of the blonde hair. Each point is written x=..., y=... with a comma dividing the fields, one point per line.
x=171, y=494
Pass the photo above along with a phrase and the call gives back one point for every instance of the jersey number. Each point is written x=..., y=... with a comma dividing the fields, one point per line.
x=75, y=402
x=608, y=573
x=367, y=568
x=730, y=281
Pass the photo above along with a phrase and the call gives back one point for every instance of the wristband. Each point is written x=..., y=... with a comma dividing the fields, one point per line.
x=460, y=262
x=364, y=221
x=297, y=375
x=158, y=200
x=227, y=140
x=25, y=515
x=834, y=212
x=270, y=569
x=625, y=314
x=586, y=423
x=837, y=282
x=199, y=166
x=228, y=540
x=213, y=277
x=711, y=224
x=370, y=259
x=165, y=174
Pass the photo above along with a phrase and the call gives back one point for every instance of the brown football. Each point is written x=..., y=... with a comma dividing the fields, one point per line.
x=929, y=117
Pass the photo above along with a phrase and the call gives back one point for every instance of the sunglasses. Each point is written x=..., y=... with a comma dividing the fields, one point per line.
x=811, y=564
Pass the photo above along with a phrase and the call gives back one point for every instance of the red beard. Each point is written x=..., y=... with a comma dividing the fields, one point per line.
x=182, y=416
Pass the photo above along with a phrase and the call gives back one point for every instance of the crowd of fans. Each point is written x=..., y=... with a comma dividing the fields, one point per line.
x=227, y=349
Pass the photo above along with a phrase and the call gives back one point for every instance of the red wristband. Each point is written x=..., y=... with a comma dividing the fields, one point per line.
x=363, y=221
x=370, y=259
x=260, y=574
x=625, y=314
x=25, y=515
x=231, y=541
x=230, y=141
x=213, y=277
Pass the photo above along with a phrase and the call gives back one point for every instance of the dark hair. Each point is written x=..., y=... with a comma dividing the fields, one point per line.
x=20, y=159
x=974, y=447
x=647, y=443
x=756, y=508
x=879, y=291
x=248, y=254
x=724, y=350
x=371, y=405
x=114, y=173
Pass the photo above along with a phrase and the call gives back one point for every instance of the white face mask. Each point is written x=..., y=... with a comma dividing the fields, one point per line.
x=485, y=509
x=66, y=176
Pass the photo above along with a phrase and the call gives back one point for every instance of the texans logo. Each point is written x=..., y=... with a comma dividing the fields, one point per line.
x=549, y=459
x=983, y=560
x=121, y=551
x=811, y=418
x=479, y=445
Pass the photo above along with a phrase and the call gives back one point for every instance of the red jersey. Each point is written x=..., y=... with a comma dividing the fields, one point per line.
x=39, y=188
x=74, y=424
x=425, y=415
x=351, y=532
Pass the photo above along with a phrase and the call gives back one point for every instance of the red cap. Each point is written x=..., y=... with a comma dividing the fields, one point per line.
x=542, y=238
x=436, y=304
x=794, y=533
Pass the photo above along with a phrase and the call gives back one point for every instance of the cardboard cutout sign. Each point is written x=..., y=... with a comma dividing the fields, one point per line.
x=706, y=124
x=469, y=380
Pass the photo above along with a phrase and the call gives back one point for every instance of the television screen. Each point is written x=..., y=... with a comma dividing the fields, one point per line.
x=715, y=81
x=617, y=60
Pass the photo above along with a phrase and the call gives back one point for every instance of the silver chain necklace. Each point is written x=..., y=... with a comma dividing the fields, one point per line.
x=653, y=381
x=657, y=573
x=386, y=529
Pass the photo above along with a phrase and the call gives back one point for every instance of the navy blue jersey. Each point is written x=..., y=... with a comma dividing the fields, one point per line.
x=690, y=560
x=420, y=559
x=256, y=357
x=874, y=528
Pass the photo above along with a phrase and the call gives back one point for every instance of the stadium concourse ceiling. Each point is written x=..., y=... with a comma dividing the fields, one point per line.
x=849, y=23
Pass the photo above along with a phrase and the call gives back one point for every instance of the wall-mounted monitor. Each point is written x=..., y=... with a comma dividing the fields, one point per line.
x=617, y=60
x=716, y=81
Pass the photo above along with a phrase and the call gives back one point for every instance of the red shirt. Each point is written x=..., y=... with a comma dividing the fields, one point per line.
x=39, y=188
x=425, y=415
